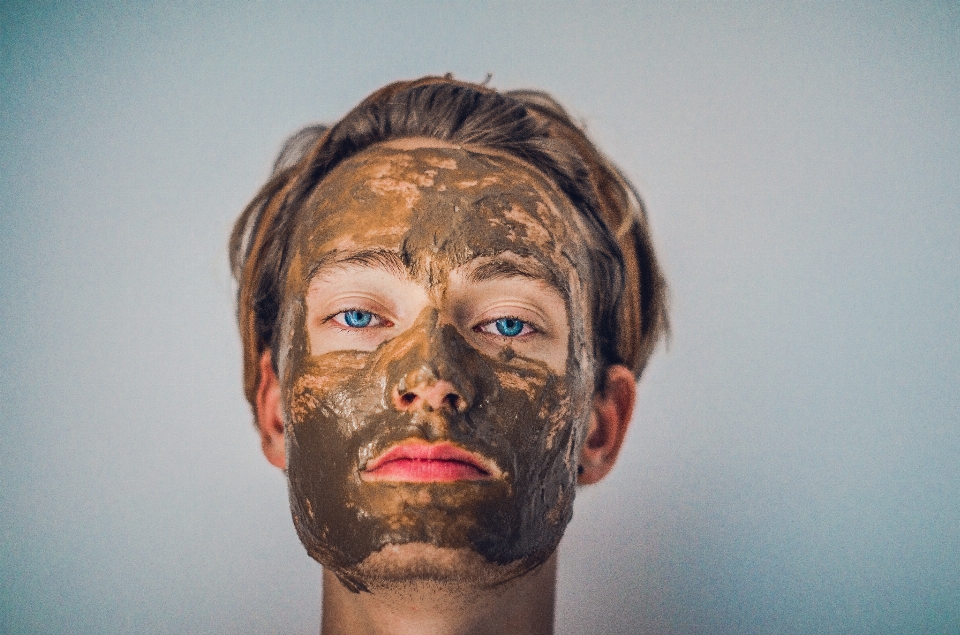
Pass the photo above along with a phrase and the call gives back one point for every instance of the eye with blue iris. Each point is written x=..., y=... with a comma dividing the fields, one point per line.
x=509, y=327
x=359, y=319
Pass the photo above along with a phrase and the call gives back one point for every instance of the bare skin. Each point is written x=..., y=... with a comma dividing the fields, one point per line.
x=435, y=404
x=523, y=605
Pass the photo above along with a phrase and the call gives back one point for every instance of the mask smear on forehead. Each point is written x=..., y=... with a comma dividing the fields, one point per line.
x=442, y=220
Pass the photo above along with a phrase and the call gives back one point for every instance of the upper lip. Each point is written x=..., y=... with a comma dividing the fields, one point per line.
x=424, y=451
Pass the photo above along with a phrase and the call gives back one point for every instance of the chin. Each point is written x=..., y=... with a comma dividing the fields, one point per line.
x=415, y=566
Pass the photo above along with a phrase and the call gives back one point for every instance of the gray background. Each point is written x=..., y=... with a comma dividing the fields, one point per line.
x=793, y=465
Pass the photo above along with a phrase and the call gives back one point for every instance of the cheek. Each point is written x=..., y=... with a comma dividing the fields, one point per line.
x=308, y=394
x=541, y=420
x=328, y=390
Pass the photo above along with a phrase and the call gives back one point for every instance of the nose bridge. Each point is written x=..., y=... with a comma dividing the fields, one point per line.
x=430, y=364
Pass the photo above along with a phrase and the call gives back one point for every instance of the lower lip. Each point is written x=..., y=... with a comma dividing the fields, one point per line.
x=425, y=471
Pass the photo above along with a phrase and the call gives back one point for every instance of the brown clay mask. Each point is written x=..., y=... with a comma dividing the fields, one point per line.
x=434, y=359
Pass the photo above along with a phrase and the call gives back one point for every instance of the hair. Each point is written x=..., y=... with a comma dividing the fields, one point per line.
x=629, y=304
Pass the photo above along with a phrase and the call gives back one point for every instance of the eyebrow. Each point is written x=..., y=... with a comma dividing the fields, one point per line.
x=392, y=262
x=386, y=259
x=501, y=269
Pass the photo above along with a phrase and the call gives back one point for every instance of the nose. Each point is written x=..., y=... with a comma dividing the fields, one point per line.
x=421, y=390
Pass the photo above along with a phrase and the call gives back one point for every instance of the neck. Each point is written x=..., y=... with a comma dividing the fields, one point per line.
x=522, y=605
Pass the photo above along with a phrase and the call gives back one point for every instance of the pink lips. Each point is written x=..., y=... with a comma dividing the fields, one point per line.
x=420, y=462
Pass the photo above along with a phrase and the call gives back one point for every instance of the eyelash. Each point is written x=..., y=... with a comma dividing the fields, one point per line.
x=342, y=324
x=526, y=328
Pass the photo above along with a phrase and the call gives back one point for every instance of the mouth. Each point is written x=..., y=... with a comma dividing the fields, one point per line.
x=421, y=462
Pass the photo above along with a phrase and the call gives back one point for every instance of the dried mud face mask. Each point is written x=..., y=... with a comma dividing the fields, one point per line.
x=400, y=267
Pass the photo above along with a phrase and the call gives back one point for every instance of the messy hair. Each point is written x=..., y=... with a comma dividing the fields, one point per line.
x=629, y=299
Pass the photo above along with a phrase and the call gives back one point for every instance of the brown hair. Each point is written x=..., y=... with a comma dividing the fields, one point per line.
x=629, y=305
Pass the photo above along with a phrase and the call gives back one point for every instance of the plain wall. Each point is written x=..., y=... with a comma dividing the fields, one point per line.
x=793, y=462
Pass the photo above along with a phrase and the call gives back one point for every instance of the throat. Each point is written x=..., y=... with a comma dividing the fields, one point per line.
x=465, y=604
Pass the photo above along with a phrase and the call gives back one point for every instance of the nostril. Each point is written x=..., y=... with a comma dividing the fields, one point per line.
x=454, y=401
x=440, y=395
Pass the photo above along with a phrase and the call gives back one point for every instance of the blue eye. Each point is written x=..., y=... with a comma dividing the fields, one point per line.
x=357, y=319
x=509, y=327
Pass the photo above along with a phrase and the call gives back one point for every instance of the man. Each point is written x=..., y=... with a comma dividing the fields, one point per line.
x=445, y=301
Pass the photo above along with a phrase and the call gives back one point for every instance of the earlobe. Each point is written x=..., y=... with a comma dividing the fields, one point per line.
x=612, y=410
x=270, y=414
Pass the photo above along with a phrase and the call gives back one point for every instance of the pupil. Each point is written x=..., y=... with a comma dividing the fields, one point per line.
x=357, y=319
x=509, y=326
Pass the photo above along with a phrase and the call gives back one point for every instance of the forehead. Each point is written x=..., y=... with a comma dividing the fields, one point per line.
x=438, y=208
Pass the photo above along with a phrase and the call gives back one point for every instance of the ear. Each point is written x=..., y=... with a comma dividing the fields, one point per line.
x=270, y=414
x=612, y=409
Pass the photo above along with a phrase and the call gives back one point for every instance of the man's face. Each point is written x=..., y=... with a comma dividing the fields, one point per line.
x=435, y=362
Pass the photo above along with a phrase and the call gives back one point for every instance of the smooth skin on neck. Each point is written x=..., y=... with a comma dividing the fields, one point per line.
x=523, y=605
